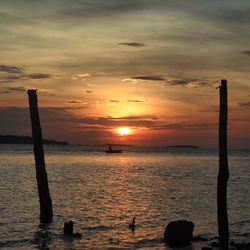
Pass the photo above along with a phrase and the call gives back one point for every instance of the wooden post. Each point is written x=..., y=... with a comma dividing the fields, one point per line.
x=46, y=212
x=223, y=175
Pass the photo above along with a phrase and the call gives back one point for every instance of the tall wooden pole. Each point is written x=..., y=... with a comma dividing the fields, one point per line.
x=46, y=212
x=223, y=170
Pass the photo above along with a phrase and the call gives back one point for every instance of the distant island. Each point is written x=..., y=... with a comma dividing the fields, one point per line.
x=15, y=139
x=183, y=146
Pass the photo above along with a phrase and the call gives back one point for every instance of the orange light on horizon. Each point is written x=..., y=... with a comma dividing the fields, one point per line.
x=124, y=131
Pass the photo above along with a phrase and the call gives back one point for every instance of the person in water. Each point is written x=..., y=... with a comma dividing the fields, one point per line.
x=110, y=148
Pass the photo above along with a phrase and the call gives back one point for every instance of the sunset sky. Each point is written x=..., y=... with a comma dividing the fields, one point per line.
x=150, y=65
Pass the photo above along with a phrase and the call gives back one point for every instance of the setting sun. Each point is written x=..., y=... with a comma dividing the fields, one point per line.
x=124, y=130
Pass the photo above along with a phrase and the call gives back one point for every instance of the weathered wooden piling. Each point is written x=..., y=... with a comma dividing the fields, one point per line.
x=46, y=211
x=223, y=175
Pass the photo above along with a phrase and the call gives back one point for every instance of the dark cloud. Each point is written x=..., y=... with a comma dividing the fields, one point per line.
x=10, y=78
x=89, y=91
x=99, y=8
x=149, y=78
x=133, y=44
x=134, y=117
x=136, y=100
x=245, y=52
x=16, y=89
x=35, y=76
x=191, y=82
x=38, y=76
x=11, y=69
x=15, y=73
x=185, y=126
x=90, y=127
x=7, y=90
x=111, y=122
x=113, y=101
x=182, y=82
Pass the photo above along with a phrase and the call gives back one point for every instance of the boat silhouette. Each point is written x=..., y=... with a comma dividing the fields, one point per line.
x=111, y=151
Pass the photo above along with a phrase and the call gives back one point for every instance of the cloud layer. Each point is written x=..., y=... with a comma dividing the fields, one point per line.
x=149, y=78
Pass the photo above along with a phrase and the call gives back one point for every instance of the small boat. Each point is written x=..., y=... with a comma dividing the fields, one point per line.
x=113, y=151
x=110, y=150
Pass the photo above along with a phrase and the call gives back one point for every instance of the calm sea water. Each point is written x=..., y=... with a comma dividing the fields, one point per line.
x=101, y=193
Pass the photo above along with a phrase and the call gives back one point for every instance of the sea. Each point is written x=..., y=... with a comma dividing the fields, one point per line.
x=102, y=192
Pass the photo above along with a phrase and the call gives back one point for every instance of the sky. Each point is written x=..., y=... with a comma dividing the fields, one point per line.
x=149, y=65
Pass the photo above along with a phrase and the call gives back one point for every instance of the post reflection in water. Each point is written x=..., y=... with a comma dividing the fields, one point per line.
x=43, y=236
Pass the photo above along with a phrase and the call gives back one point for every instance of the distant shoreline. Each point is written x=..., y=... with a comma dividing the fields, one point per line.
x=15, y=139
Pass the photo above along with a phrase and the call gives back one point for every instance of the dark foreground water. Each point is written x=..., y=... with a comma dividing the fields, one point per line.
x=101, y=193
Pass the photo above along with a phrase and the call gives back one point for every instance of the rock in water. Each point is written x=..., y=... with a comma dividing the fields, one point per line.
x=179, y=232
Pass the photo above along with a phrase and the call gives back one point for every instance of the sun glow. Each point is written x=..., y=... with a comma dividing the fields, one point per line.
x=124, y=131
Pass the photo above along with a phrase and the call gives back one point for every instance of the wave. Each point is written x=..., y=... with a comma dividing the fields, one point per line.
x=241, y=222
x=14, y=243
